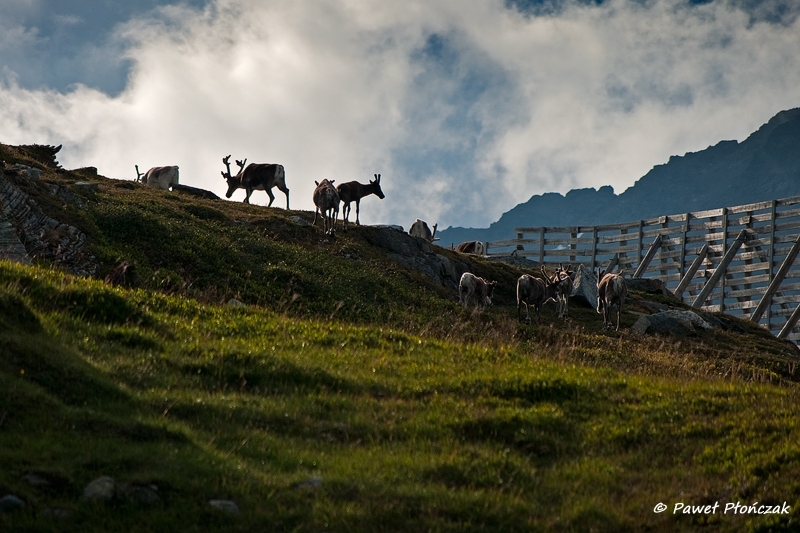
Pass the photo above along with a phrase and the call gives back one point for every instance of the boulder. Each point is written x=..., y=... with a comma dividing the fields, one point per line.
x=674, y=321
x=418, y=254
x=584, y=287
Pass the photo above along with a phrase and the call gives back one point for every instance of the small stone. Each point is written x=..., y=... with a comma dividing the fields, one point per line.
x=312, y=483
x=233, y=302
x=226, y=506
x=139, y=494
x=101, y=489
x=300, y=221
x=10, y=503
x=36, y=480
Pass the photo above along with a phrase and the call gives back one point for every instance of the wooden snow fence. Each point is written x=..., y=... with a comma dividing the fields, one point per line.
x=740, y=260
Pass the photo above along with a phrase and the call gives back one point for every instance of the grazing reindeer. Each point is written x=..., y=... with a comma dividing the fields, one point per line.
x=256, y=177
x=471, y=284
x=161, y=177
x=472, y=247
x=327, y=201
x=535, y=292
x=611, y=290
x=353, y=191
x=564, y=289
x=420, y=229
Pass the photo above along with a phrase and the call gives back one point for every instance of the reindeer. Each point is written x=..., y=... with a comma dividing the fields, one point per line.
x=471, y=247
x=536, y=292
x=256, y=177
x=471, y=284
x=161, y=177
x=611, y=289
x=564, y=289
x=327, y=201
x=353, y=191
x=420, y=229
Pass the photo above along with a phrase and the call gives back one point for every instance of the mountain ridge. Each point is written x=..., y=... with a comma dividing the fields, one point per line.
x=764, y=166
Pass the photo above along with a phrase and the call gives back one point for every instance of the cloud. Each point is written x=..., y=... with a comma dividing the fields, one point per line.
x=464, y=112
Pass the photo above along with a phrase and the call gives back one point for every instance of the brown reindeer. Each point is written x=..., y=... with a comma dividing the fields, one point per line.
x=353, y=191
x=535, y=292
x=327, y=201
x=611, y=290
x=564, y=289
x=256, y=177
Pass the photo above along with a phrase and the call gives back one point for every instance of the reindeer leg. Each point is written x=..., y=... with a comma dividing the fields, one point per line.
x=358, y=209
x=271, y=197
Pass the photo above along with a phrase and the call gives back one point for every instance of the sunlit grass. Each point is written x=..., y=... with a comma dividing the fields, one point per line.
x=311, y=424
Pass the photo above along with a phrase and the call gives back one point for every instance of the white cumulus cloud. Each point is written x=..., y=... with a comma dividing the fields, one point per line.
x=465, y=108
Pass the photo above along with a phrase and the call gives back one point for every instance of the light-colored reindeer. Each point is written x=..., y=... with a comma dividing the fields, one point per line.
x=611, y=290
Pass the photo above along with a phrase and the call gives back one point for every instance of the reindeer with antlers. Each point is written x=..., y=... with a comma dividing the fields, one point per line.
x=256, y=177
x=353, y=191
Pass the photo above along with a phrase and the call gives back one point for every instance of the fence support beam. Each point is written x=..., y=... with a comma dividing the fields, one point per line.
x=720, y=271
x=687, y=278
x=789, y=326
x=613, y=262
x=648, y=257
x=766, y=300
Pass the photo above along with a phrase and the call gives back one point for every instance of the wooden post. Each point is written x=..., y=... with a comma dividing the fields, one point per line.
x=683, y=246
x=687, y=278
x=641, y=238
x=572, y=236
x=720, y=271
x=541, y=245
x=724, y=253
x=649, y=257
x=594, y=249
x=623, y=231
x=771, y=256
x=766, y=300
x=520, y=236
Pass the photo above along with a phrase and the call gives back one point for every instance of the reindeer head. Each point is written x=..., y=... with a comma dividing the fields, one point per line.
x=377, y=184
x=233, y=181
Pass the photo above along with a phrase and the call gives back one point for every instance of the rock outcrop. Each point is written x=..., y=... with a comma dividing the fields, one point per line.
x=40, y=235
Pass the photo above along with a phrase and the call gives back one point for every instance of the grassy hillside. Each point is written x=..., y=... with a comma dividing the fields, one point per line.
x=353, y=394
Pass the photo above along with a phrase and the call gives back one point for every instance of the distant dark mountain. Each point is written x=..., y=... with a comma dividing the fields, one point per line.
x=765, y=166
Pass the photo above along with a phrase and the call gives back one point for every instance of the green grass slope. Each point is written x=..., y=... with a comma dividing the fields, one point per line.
x=354, y=394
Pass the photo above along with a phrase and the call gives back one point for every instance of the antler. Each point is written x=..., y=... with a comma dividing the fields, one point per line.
x=138, y=174
x=241, y=164
x=226, y=162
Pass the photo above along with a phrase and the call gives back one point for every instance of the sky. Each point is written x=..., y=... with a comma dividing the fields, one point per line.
x=465, y=107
